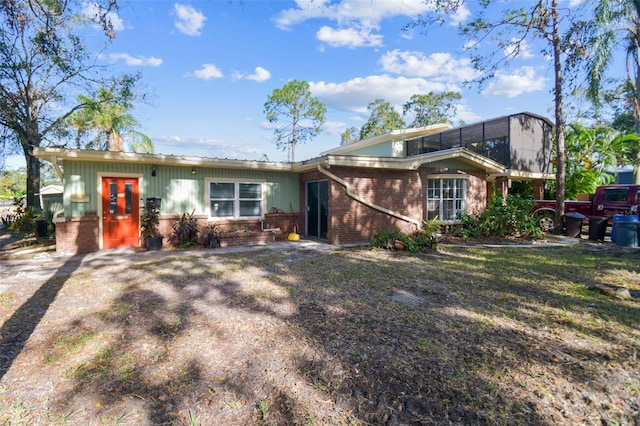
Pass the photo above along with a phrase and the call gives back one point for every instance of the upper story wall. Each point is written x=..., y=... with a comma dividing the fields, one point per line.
x=394, y=148
x=520, y=141
x=531, y=143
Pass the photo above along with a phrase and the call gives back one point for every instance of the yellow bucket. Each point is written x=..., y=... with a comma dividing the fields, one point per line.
x=293, y=236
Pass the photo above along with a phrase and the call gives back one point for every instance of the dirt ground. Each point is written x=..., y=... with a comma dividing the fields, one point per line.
x=334, y=337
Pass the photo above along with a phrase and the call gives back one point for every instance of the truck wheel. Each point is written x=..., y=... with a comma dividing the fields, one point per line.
x=545, y=220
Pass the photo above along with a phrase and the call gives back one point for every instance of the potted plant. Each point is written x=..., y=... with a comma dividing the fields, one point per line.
x=149, y=222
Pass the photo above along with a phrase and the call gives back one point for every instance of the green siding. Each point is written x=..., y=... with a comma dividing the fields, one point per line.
x=180, y=189
x=51, y=202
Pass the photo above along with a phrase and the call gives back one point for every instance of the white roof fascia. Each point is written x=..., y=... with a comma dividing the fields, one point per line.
x=522, y=175
x=399, y=163
x=414, y=162
x=51, y=189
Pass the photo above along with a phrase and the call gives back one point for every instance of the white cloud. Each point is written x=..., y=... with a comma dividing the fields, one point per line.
x=139, y=61
x=260, y=75
x=470, y=44
x=354, y=95
x=356, y=19
x=519, y=48
x=463, y=113
x=94, y=11
x=438, y=66
x=189, y=21
x=211, y=147
x=267, y=125
x=348, y=37
x=460, y=15
x=334, y=128
x=522, y=80
x=207, y=72
x=366, y=12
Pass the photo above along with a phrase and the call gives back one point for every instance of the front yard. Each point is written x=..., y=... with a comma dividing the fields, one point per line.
x=344, y=337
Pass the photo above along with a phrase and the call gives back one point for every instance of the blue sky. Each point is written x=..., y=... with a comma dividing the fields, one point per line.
x=209, y=67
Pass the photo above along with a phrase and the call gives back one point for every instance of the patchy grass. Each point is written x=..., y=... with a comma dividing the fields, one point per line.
x=353, y=337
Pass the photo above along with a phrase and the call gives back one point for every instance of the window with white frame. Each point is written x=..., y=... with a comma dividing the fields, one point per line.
x=446, y=198
x=235, y=200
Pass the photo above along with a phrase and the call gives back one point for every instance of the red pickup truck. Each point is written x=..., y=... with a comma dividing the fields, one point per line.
x=608, y=200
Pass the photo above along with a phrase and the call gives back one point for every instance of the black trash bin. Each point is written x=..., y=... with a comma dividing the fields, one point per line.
x=573, y=224
x=598, y=227
x=42, y=228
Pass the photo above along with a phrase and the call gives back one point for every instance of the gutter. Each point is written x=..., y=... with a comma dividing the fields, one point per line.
x=367, y=203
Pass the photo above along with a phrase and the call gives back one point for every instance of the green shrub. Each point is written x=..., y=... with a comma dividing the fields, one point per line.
x=468, y=227
x=423, y=239
x=385, y=239
x=511, y=217
x=427, y=237
x=24, y=221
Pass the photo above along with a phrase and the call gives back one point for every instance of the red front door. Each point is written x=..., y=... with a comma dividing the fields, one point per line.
x=120, y=212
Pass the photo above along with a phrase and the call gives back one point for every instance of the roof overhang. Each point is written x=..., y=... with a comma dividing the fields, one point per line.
x=520, y=175
x=462, y=155
x=56, y=155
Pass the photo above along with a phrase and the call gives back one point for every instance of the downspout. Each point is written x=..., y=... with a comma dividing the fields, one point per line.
x=367, y=203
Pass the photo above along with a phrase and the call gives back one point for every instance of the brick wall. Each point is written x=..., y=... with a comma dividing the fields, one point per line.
x=476, y=193
x=284, y=221
x=77, y=234
x=397, y=190
x=402, y=191
x=352, y=221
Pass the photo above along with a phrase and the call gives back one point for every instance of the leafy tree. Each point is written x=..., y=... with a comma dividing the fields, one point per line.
x=629, y=149
x=591, y=152
x=349, y=136
x=620, y=102
x=42, y=58
x=297, y=113
x=8, y=146
x=383, y=118
x=510, y=34
x=48, y=174
x=431, y=108
x=107, y=117
x=613, y=18
x=13, y=183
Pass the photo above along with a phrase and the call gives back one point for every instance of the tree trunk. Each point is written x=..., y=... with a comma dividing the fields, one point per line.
x=636, y=103
x=30, y=137
x=33, y=178
x=560, y=137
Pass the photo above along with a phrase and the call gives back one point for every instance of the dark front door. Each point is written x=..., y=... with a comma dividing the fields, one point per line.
x=120, y=212
x=317, y=208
